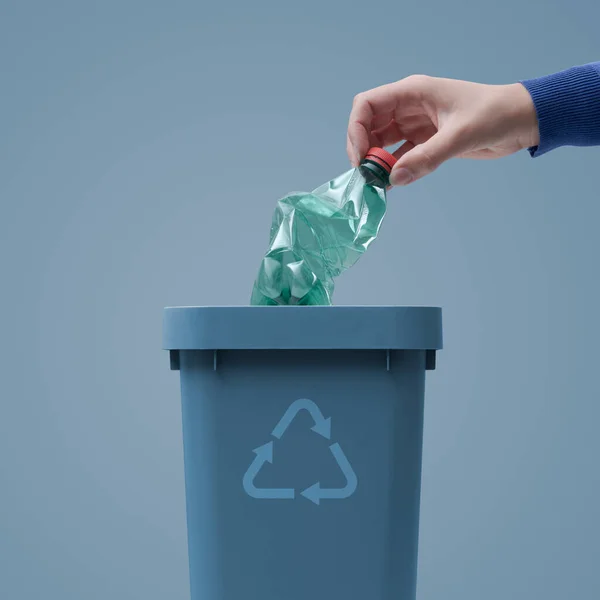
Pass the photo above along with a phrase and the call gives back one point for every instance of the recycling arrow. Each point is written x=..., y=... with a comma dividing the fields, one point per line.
x=315, y=493
x=322, y=425
x=264, y=454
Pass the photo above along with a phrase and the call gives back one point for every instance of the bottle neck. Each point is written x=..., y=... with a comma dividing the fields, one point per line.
x=374, y=173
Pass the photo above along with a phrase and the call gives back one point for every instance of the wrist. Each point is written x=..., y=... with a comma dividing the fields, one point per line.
x=523, y=115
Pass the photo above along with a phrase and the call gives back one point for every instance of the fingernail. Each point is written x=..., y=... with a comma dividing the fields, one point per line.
x=401, y=177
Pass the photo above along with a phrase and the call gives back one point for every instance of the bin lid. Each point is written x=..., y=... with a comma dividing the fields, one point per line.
x=302, y=328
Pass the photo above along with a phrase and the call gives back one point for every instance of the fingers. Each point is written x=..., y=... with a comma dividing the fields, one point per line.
x=406, y=147
x=390, y=134
x=378, y=107
x=352, y=155
x=359, y=141
x=426, y=157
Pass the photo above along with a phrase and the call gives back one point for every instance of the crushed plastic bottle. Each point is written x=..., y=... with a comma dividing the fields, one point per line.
x=316, y=236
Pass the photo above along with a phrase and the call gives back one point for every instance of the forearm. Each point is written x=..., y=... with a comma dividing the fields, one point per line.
x=567, y=105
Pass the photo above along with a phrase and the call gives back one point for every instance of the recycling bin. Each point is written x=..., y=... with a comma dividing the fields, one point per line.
x=302, y=434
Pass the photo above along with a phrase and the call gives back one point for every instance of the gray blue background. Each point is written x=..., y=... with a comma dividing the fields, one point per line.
x=133, y=139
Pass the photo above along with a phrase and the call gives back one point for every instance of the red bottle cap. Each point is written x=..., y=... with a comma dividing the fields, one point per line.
x=383, y=158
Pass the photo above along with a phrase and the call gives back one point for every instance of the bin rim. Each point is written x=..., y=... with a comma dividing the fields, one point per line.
x=302, y=328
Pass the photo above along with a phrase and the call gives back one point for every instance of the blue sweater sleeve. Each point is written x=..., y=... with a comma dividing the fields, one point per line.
x=568, y=108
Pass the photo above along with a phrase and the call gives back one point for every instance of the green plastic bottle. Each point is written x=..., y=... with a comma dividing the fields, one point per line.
x=316, y=236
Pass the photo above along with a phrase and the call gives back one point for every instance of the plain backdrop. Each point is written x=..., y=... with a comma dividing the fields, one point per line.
x=142, y=148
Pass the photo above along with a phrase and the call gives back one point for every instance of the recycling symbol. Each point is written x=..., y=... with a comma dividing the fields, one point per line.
x=315, y=493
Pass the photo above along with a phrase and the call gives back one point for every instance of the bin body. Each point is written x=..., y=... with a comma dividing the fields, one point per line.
x=302, y=464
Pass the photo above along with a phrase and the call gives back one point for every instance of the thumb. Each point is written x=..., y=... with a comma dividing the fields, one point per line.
x=425, y=158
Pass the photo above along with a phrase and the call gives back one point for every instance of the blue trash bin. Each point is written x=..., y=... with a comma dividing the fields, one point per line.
x=302, y=432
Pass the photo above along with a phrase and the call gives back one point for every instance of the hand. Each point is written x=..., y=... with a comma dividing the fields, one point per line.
x=439, y=119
